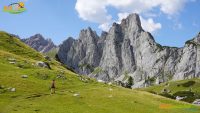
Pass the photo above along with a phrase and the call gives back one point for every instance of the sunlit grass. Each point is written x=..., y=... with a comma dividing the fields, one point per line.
x=33, y=94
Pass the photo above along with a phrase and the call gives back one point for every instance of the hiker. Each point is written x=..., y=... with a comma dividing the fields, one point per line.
x=53, y=87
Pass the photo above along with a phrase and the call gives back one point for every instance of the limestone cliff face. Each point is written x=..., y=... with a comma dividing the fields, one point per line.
x=39, y=43
x=127, y=50
x=188, y=66
x=83, y=54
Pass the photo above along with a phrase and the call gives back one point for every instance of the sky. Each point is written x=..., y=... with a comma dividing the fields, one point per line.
x=171, y=22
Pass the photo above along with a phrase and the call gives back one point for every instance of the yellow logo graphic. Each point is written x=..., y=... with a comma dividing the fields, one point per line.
x=15, y=8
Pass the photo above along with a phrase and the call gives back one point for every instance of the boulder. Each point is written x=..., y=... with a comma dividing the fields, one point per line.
x=76, y=95
x=47, y=58
x=110, y=83
x=13, y=90
x=12, y=62
x=101, y=81
x=197, y=102
x=110, y=89
x=178, y=98
x=43, y=64
x=24, y=76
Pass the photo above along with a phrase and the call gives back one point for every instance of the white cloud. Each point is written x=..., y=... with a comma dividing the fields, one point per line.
x=150, y=25
x=104, y=26
x=121, y=16
x=171, y=7
x=96, y=10
x=93, y=10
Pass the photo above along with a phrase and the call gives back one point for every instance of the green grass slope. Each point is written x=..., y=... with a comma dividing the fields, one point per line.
x=52, y=53
x=189, y=88
x=13, y=45
x=32, y=94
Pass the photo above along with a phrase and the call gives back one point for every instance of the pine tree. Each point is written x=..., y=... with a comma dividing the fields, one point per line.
x=130, y=81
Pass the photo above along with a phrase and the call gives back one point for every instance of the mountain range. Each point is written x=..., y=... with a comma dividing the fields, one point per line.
x=126, y=50
x=39, y=43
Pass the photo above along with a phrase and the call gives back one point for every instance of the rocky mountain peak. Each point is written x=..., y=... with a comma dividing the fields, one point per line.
x=116, y=28
x=88, y=35
x=197, y=38
x=69, y=41
x=132, y=22
x=127, y=50
x=39, y=43
x=38, y=37
x=133, y=18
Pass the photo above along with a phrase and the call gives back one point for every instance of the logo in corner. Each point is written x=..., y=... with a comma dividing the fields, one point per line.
x=15, y=8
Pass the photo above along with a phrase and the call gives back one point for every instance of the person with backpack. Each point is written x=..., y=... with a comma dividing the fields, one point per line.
x=53, y=91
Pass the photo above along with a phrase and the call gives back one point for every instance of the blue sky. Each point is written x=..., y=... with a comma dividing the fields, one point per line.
x=59, y=19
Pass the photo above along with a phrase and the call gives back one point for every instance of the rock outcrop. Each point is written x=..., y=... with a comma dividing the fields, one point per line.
x=39, y=43
x=127, y=50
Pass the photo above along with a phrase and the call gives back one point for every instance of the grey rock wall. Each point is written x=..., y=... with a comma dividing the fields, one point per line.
x=127, y=50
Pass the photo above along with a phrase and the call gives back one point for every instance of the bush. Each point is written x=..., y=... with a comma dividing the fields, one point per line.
x=188, y=84
x=150, y=81
x=167, y=95
x=57, y=58
x=184, y=93
x=190, y=96
x=153, y=92
x=189, y=99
